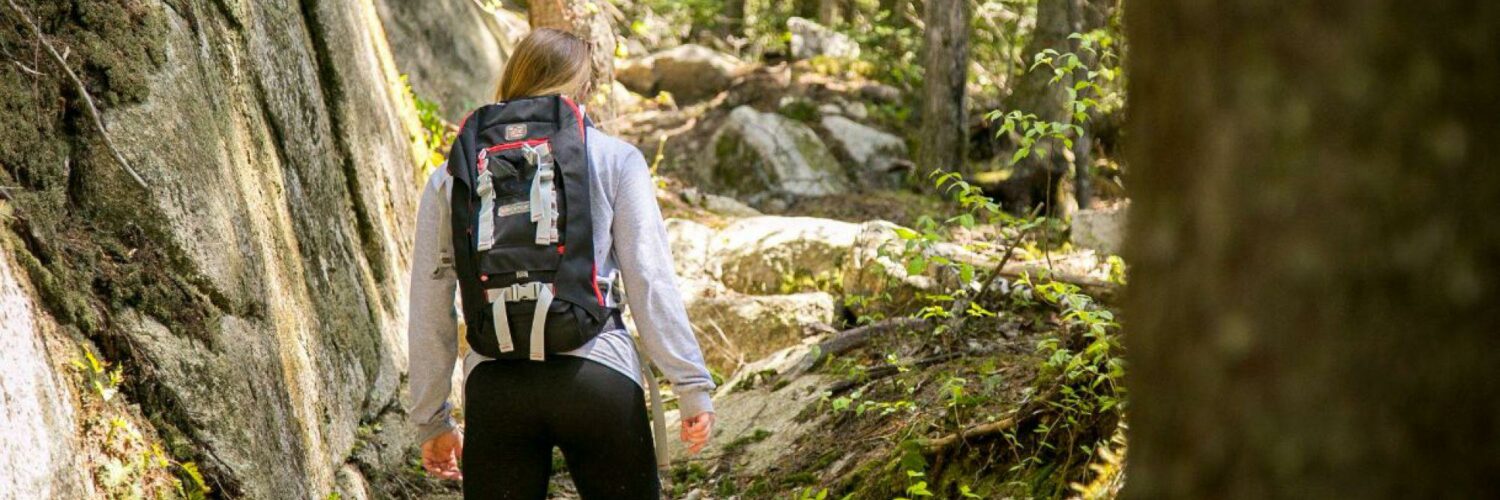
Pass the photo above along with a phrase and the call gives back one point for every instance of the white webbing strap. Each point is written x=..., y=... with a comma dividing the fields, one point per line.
x=502, y=321
x=658, y=410
x=486, y=191
x=539, y=322
x=543, y=193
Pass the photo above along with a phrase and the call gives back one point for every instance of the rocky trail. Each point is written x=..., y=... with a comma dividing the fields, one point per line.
x=237, y=326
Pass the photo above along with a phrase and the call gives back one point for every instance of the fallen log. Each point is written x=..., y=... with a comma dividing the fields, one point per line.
x=849, y=340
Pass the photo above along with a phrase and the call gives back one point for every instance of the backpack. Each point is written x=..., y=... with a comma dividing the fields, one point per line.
x=523, y=244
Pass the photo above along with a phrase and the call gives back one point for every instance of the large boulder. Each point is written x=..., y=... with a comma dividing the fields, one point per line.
x=876, y=155
x=255, y=291
x=690, y=242
x=1101, y=229
x=691, y=73
x=736, y=328
x=757, y=254
x=759, y=156
x=877, y=268
x=810, y=39
x=452, y=51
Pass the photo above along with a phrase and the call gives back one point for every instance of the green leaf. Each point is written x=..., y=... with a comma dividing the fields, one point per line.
x=916, y=266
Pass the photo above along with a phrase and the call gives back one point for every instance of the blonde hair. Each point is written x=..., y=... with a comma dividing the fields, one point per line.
x=547, y=61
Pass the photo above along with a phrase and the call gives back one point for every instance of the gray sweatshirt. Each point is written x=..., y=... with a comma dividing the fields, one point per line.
x=628, y=235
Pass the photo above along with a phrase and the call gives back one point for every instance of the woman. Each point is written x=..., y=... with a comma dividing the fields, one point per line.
x=588, y=402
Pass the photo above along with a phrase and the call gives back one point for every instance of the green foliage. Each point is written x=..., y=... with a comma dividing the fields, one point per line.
x=1093, y=89
x=130, y=465
x=436, y=136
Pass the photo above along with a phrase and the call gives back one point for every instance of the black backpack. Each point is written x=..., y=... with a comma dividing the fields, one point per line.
x=522, y=232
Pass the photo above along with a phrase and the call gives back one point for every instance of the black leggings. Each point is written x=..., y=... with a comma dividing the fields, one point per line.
x=516, y=411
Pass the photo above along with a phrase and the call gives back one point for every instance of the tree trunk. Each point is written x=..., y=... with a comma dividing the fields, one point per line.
x=896, y=10
x=945, y=56
x=807, y=9
x=592, y=24
x=1037, y=178
x=1312, y=310
x=734, y=17
x=828, y=12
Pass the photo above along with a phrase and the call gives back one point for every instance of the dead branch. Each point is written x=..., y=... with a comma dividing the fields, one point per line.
x=849, y=340
x=88, y=100
x=938, y=445
x=884, y=371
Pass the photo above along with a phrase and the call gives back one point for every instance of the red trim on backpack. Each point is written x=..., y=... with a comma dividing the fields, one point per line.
x=576, y=114
x=513, y=145
x=594, y=279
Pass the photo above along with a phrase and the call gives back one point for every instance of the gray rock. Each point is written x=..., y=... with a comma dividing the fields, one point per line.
x=766, y=154
x=876, y=266
x=452, y=51
x=880, y=92
x=875, y=154
x=689, y=241
x=282, y=184
x=691, y=73
x=39, y=421
x=722, y=205
x=810, y=39
x=735, y=328
x=756, y=254
x=1101, y=229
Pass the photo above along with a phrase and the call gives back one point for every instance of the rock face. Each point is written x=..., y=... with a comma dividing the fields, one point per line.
x=810, y=39
x=1101, y=229
x=755, y=255
x=257, y=291
x=691, y=73
x=39, y=452
x=452, y=51
x=875, y=154
x=762, y=155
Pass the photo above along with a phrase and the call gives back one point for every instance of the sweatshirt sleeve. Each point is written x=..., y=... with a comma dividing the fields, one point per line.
x=432, y=331
x=645, y=258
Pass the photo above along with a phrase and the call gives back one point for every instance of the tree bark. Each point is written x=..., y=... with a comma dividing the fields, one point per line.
x=591, y=23
x=1316, y=260
x=945, y=56
x=1037, y=178
x=828, y=12
x=734, y=17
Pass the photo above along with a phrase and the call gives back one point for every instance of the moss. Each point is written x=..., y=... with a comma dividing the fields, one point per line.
x=800, y=110
x=739, y=443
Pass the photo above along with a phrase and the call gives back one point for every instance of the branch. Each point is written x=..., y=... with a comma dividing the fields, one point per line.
x=884, y=371
x=936, y=446
x=849, y=340
x=82, y=91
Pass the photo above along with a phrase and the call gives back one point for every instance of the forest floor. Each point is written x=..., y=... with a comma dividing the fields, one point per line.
x=872, y=421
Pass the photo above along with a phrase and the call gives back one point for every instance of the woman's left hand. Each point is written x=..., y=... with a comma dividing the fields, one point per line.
x=696, y=431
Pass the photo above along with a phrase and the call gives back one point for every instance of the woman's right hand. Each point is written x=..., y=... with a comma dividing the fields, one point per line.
x=440, y=455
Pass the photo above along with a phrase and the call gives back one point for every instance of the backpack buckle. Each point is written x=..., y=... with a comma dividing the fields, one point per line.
x=519, y=292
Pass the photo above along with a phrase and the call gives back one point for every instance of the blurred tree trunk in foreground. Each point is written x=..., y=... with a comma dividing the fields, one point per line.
x=1037, y=178
x=945, y=56
x=1313, y=303
x=590, y=22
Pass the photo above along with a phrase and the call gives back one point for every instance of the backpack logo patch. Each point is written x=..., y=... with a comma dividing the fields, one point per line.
x=515, y=209
x=515, y=131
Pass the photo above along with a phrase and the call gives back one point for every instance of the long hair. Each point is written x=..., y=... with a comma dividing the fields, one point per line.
x=547, y=61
